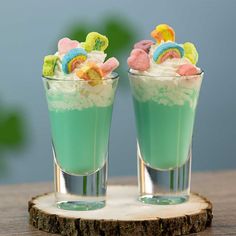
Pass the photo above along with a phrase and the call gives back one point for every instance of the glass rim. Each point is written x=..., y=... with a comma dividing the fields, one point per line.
x=114, y=76
x=201, y=73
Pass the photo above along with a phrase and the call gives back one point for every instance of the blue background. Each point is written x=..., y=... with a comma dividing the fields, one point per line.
x=30, y=30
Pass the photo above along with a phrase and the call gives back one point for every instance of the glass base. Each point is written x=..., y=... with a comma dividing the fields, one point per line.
x=80, y=193
x=163, y=200
x=81, y=205
x=164, y=187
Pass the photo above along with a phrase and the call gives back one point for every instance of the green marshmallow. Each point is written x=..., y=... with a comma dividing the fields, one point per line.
x=49, y=65
x=95, y=41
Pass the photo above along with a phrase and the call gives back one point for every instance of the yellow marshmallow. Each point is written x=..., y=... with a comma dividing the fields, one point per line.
x=190, y=52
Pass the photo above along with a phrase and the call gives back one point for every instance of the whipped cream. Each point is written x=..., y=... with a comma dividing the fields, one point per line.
x=162, y=84
x=70, y=93
x=78, y=95
x=77, y=75
x=166, y=92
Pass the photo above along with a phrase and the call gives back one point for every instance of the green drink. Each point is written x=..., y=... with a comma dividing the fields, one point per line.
x=80, y=117
x=80, y=138
x=80, y=114
x=165, y=112
x=165, y=109
x=164, y=133
x=165, y=83
x=80, y=87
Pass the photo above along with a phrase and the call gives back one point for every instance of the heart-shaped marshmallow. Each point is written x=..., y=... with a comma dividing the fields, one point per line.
x=138, y=60
x=66, y=44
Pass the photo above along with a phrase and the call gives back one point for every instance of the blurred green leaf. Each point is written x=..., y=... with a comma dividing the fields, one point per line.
x=11, y=133
x=120, y=34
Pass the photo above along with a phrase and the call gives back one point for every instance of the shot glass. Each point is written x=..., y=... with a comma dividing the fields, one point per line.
x=80, y=115
x=165, y=112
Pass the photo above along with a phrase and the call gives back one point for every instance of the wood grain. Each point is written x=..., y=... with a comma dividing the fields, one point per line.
x=219, y=187
x=123, y=215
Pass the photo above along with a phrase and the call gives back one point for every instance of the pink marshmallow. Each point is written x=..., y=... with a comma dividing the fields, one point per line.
x=138, y=60
x=66, y=44
x=144, y=44
x=108, y=66
x=187, y=69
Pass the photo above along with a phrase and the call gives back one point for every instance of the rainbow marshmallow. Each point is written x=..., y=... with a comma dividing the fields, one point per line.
x=72, y=58
x=167, y=50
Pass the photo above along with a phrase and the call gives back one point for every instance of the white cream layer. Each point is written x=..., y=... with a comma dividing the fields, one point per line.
x=69, y=92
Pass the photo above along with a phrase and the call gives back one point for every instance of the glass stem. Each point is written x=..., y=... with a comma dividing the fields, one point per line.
x=179, y=180
x=97, y=183
x=183, y=176
x=172, y=179
x=84, y=185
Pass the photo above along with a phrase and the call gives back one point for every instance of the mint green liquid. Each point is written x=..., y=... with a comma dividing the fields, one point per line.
x=80, y=138
x=164, y=133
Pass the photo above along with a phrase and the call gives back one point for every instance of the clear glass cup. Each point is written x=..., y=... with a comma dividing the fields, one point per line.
x=165, y=112
x=80, y=115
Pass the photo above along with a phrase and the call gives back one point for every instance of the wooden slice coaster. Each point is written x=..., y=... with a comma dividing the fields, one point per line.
x=123, y=215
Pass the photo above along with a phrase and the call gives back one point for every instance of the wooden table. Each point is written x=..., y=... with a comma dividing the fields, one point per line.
x=219, y=187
